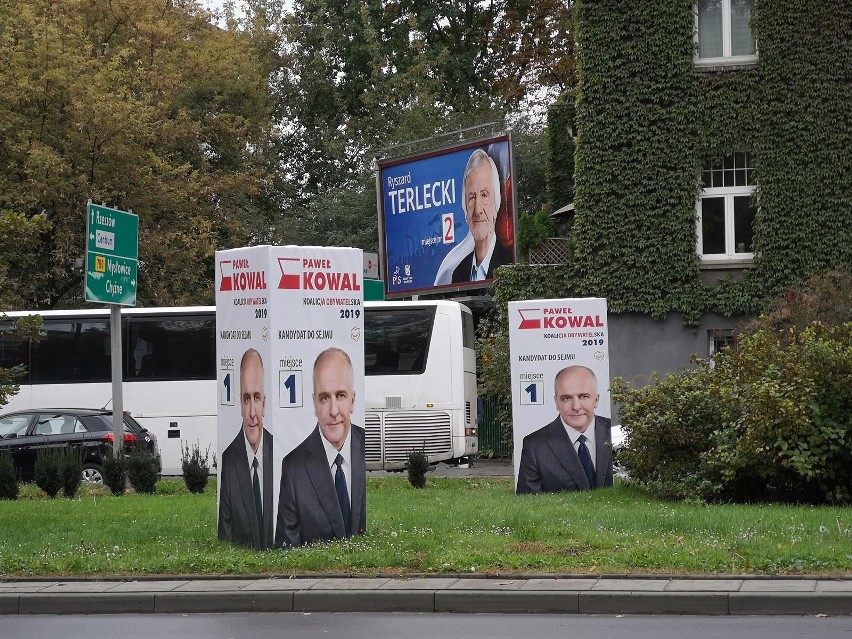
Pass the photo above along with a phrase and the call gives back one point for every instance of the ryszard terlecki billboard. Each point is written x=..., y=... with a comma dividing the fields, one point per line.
x=447, y=216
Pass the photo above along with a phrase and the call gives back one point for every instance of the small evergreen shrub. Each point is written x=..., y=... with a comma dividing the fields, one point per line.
x=532, y=231
x=48, y=472
x=8, y=478
x=115, y=472
x=71, y=470
x=143, y=470
x=418, y=465
x=196, y=467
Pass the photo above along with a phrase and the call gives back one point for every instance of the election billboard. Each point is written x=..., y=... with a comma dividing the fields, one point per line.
x=447, y=217
x=559, y=367
x=290, y=359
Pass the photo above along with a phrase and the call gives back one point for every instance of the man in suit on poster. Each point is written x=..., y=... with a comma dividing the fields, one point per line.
x=573, y=452
x=323, y=493
x=245, y=496
x=480, y=251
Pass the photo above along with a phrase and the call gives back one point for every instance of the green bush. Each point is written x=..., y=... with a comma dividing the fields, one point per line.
x=766, y=422
x=532, y=231
x=115, y=472
x=418, y=465
x=143, y=470
x=48, y=471
x=71, y=470
x=8, y=478
x=196, y=467
x=668, y=425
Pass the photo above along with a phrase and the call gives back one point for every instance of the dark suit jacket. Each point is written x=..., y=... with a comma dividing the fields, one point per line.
x=308, y=509
x=237, y=515
x=501, y=256
x=549, y=461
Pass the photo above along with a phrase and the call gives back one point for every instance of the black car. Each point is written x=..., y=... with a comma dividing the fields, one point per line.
x=26, y=432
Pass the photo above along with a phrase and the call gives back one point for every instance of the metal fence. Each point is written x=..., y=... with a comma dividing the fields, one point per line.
x=491, y=440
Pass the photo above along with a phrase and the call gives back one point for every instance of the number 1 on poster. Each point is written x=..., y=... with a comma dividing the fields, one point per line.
x=532, y=393
x=289, y=388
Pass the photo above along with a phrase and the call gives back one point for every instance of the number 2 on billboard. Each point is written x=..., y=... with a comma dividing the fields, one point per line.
x=449, y=229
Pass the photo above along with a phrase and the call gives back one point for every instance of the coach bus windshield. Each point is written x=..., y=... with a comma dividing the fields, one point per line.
x=397, y=340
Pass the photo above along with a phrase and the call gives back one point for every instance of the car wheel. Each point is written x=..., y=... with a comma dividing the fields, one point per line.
x=93, y=474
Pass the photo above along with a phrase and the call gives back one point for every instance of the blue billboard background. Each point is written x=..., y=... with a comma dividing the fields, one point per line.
x=417, y=196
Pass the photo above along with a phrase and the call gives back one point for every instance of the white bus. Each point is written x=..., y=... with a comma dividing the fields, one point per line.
x=420, y=366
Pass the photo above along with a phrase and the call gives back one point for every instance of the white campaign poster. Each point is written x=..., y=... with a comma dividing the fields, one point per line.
x=277, y=309
x=545, y=337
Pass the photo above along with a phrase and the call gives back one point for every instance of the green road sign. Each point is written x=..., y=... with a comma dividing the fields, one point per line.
x=374, y=290
x=111, y=280
x=111, y=255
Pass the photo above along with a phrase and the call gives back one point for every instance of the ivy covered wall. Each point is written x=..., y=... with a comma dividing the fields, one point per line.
x=647, y=120
x=803, y=137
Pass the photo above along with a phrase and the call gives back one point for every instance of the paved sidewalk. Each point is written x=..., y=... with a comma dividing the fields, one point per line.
x=728, y=595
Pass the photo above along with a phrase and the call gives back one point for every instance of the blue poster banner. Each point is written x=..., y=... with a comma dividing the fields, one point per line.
x=447, y=217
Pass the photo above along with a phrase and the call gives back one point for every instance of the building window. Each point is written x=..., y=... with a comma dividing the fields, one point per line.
x=725, y=210
x=719, y=339
x=723, y=32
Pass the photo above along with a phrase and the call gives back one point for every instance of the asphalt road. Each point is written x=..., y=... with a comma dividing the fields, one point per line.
x=393, y=625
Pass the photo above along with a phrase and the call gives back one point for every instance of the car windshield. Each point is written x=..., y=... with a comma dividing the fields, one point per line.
x=14, y=424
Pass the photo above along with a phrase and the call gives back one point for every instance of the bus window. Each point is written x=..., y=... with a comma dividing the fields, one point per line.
x=397, y=340
x=72, y=351
x=14, y=351
x=170, y=348
x=467, y=330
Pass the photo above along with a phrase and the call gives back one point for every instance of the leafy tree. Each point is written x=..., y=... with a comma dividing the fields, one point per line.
x=359, y=77
x=140, y=104
x=19, y=238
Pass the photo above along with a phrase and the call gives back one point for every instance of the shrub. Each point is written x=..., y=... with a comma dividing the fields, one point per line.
x=115, y=471
x=668, y=425
x=143, y=470
x=71, y=470
x=825, y=298
x=8, y=478
x=793, y=436
x=48, y=470
x=196, y=467
x=532, y=231
x=769, y=421
x=418, y=464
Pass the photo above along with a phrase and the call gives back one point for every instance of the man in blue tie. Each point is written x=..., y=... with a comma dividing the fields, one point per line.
x=574, y=451
x=245, y=479
x=323, y=480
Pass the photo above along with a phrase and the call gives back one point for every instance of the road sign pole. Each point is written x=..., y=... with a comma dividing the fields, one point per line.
x=117, y=397
x=112, y=254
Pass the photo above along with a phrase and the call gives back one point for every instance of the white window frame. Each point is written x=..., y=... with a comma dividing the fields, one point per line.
x=726, y=58
x=719, y=338
x=728, y=194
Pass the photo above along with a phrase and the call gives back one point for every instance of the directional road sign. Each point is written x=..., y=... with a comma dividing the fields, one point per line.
x=112, y=250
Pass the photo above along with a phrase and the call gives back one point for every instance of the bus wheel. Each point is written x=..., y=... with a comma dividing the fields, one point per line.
x=93, y=474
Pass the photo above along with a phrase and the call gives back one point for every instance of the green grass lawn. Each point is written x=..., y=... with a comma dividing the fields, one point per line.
x=451, y=526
